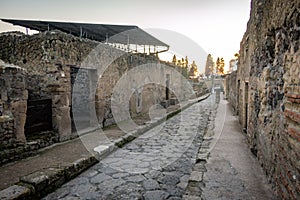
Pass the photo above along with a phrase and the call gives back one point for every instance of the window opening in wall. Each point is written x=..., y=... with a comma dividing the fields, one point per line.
x=138, y=101
x=167, y=86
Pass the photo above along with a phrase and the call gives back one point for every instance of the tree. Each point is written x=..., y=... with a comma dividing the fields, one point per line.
x=220, y=64
x=236, y=55
x=194, y=70
x=179, y=63
x=184, y=65
x=209, y=67
x=186, y=61
x=174, y=60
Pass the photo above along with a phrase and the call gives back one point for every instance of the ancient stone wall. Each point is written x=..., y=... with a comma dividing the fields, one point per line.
x=13, y=104
x=78, y=77
x=231, y=91
x=14, y=144
x=50, y=59
x=46, y=57
x=148, y=94
x=268, y=91
x=7, y=136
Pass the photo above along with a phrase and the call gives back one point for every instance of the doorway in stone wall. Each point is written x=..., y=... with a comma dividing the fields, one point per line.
x=38, y=116
x=238, y=98
x=246, y=106
x=81, y=97
x=167, y=86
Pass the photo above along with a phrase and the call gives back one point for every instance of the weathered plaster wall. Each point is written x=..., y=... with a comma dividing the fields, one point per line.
x=268, y=91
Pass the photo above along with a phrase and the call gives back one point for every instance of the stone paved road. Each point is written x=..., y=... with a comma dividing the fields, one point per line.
x=157, y=165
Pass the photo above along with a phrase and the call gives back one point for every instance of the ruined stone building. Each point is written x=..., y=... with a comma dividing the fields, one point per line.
x=52, y=85
x=265, y=91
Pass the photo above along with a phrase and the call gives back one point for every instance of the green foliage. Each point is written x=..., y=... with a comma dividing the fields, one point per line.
x=194, y=69
x=220, y=64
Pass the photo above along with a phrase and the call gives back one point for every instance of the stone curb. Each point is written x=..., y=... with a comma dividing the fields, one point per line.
x=42, y=182
x=196, y=183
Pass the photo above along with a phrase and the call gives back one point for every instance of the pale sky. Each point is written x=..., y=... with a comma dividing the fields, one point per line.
x=217, y=26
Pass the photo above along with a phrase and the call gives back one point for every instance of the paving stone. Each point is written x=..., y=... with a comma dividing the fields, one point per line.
x=100, y=178
x=169, y=180
x=182, y=185
x=153, y=174
x=120, y=175
x=191, y=197
x=175, y=198
x=112, y=184
x=133, y=196
x=91, y=173
x=128, y=188
x=196, y=176
x=150, y=184
x=78, y=181
x=173, y=190
x=200, y=167
x=165, y=155
x=85, y=190
x=135, y=178
x=108, y=170
x=156, y=195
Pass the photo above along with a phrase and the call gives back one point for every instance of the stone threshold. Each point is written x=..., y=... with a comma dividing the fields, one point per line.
x=42, y=182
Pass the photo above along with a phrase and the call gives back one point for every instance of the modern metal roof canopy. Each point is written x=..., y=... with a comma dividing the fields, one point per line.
x=122, y=34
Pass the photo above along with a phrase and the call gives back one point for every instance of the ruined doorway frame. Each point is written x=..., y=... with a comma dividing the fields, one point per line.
x=91, y=73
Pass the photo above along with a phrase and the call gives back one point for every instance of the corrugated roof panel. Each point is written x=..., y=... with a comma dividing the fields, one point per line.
x=99, y=32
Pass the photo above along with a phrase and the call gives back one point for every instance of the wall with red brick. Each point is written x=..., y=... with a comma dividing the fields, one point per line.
x=268, y=91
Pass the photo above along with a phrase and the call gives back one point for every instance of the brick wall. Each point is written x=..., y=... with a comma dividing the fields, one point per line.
x=267, y=87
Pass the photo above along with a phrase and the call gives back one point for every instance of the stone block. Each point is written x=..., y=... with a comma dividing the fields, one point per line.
x=75, y=168
x=202, y=157
x=196, y=176
x=19, y=127
x=19, y=106
x=165, y=103
x=15, y=192
x=61, y=100
x=191, y=197
x=63, y=122
x=45, y=180
x=173, y=101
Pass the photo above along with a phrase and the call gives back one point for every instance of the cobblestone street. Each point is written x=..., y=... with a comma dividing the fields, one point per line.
x=175, y=104
x=157, y=165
